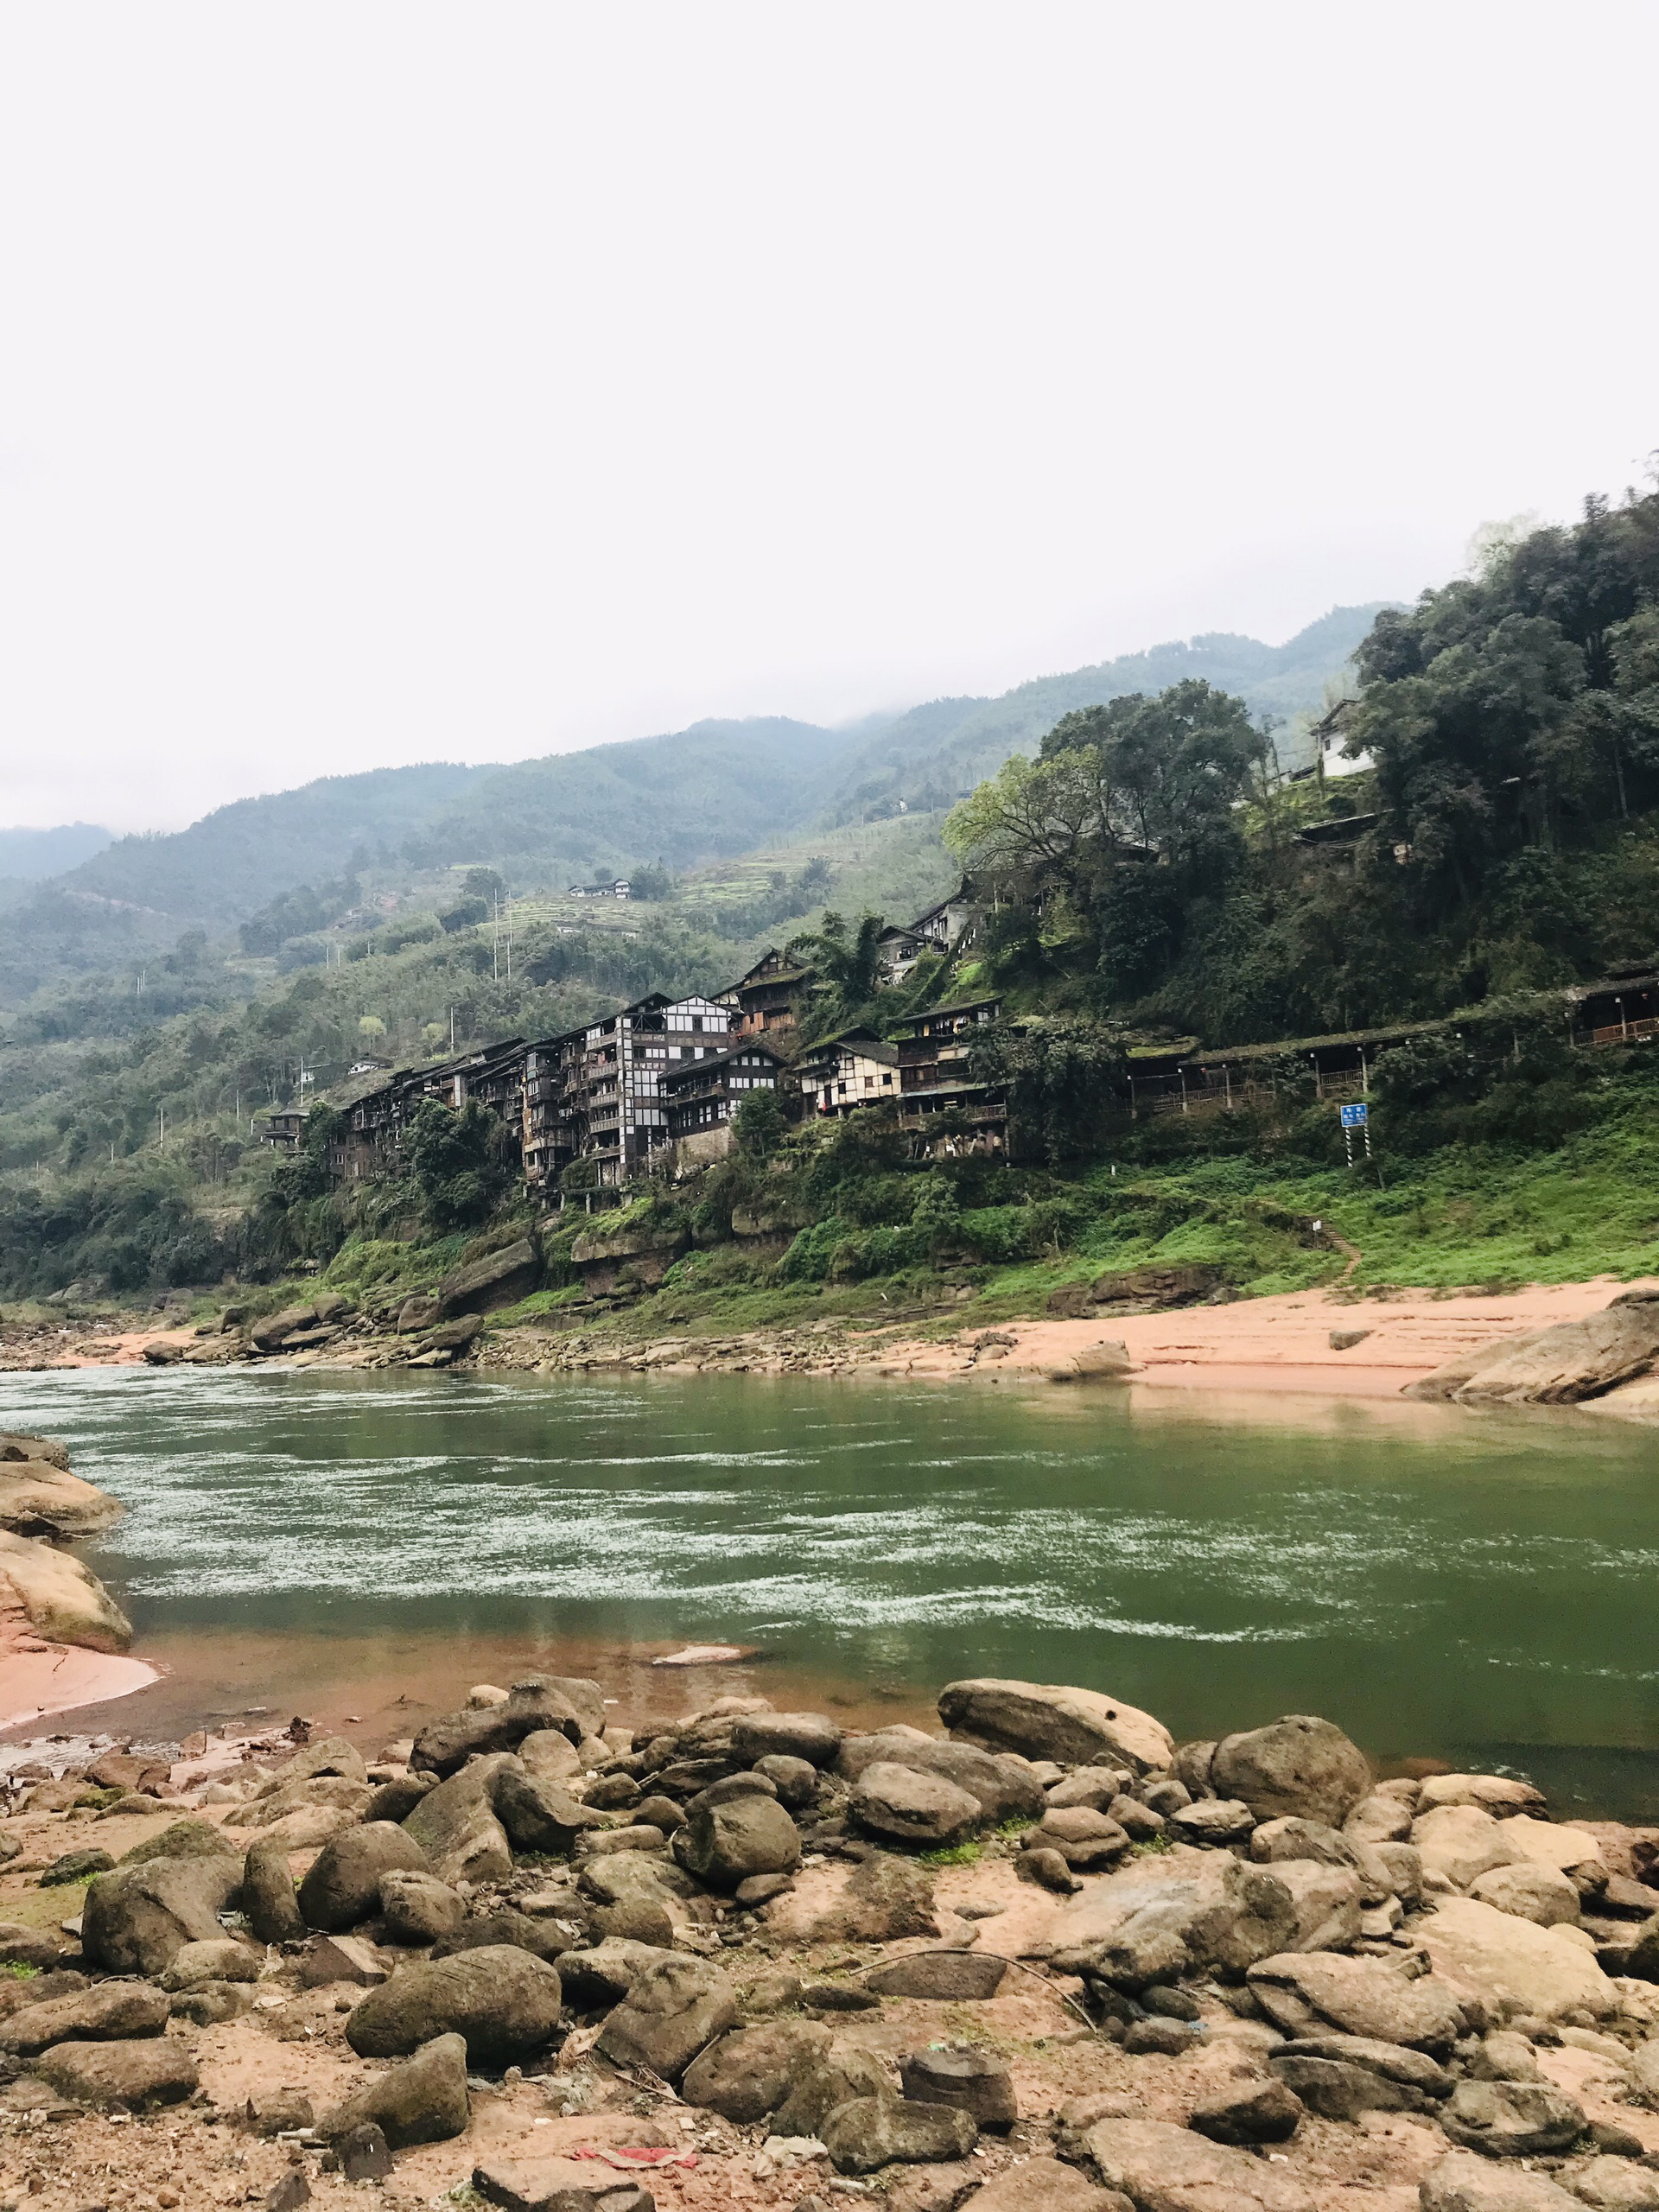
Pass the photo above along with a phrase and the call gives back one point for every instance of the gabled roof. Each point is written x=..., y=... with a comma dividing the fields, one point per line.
x=673, y=1077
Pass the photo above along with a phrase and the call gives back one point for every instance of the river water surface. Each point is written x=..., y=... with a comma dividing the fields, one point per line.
x=1466, y=1587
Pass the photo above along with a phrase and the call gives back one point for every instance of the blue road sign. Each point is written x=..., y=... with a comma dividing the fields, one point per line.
x=1354, y=1117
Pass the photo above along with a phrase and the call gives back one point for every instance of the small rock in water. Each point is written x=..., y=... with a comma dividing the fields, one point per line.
x=706, y=1655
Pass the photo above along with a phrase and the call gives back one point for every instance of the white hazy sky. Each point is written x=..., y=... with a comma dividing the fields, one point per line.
x=382, y=381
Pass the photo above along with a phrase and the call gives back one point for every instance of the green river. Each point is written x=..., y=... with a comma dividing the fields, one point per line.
x=1449, y=1585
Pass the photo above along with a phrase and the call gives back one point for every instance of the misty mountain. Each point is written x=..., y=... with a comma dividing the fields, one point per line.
x=26, y=855
x=927, y=757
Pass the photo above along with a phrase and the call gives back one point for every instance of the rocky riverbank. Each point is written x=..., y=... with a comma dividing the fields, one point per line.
x=1593, y=1343
x=1043, y=1960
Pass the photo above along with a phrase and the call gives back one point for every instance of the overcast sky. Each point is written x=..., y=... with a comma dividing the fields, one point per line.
x=394, y=382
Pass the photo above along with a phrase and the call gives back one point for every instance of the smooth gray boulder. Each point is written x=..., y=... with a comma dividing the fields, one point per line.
x=504, y=2002
x=456, y=1824
x=724, y=1844
x=1299, y=1767
x=913, y=1806
x=1244, y=2112
x=540, y=1815
x=342, y=1884
x=422, y=2100
x=673, y=2010
x=134, y=1920
x=885, y=1898
x=946, y=1977
x=1167, y=2168
x=1141, y=1926
x=225, y=1959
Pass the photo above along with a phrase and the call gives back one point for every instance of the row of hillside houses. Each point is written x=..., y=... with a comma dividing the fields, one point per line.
x=667, y=1076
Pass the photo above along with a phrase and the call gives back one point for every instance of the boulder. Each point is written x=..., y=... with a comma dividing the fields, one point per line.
x=1141, y=1926
x=1512, y=2119
x=724, y=1844
x=549, y=1755
x=749, y=2073
x=1617, y=2184
x=913, y=1807
x=330, y=1756
x=539, y=1815
x=840, y=2074
x=1497, y=1793
x=64, y=1601
x=1559, y=1366
x=134, y=1920
x=1299, y=1766
x=961, y=2075
x=342, y=1958
x=1506, y=1962
x=37, y=1499
x=1467, y=2183
x=1335, y=2089
x=1571, y=1851
x=1084, y=1839
x=342, y=1885
x=885, y=1898
x=183, y=1840
x=1006, y=1786
x=1461, y=1842
x=105, y=2013
x=267, y=1895
x=1037, y=2185
x=396, y=1799
x=209, y=2003
x=225, y=1959
x=1327, y=1903
x=1212, y=1821
x=603, y=1975
x=788, y=1735
x=1045, y=1720
x=148, y=2071
x=1303, y=1992
x=871, y=2133
x=1540, y=1894
x=673, y=2010
x=418, y=1908
x=945, y=1977
x=1297, y=1838
x=1166, y=2169
x=14, y=1448
x=1411, y=2069
x=1248, y=2111
x=499, y=1279
x=444, y=1745
x=75, y=1866
x=422, y=2100
x=542, y=1938
x=795, y=1780
x=456, y=1824
x=504, y=2003
x=1378, y=1819
x=314, y=1794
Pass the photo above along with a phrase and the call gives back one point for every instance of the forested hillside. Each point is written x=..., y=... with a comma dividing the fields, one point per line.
x=715, y=790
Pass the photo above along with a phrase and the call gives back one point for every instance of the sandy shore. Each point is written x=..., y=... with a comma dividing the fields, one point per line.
x=1273, y=1344
x=37, y=1678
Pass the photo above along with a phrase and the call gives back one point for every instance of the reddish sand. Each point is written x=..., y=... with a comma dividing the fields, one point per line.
x=37, y=1678
x=1276, y=1344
